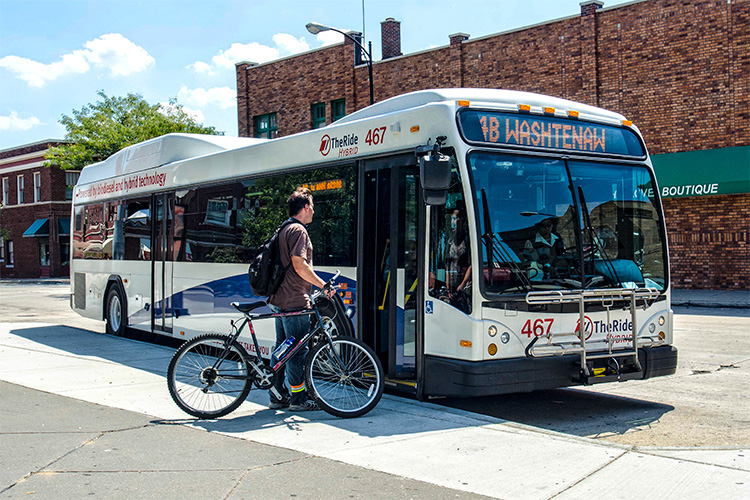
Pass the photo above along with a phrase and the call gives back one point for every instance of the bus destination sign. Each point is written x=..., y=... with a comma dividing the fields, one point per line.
x=548, y=133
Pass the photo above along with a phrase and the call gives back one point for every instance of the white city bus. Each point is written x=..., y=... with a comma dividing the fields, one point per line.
x=551, y=219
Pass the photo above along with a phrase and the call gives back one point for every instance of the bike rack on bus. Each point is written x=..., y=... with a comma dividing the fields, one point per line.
x=558, y=344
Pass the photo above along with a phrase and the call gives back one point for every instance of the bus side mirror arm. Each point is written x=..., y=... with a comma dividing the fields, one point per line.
x=434, y=173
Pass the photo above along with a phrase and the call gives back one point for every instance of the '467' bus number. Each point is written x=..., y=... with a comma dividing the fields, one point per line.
x=539, y=327
x=375, y=136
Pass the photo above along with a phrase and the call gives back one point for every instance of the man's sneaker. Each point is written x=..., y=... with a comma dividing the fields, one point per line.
x=308, y=405
x=278, y=405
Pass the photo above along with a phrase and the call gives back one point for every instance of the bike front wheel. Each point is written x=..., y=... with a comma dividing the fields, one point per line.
x=345, y=377
x=208, y=379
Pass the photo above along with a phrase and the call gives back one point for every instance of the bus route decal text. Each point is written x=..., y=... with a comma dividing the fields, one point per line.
x=124, y=185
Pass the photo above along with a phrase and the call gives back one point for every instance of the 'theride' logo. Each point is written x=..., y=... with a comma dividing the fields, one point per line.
x=325, y=145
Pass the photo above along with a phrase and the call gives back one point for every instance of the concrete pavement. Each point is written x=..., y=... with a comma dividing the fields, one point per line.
x=130, y=440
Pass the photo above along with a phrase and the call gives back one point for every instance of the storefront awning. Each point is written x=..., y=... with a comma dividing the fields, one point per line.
x=703, y=173
x=63, y=227
x=40, y=227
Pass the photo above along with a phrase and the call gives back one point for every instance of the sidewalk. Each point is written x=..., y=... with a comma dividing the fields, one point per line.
x=130, y=441
x=728, y=299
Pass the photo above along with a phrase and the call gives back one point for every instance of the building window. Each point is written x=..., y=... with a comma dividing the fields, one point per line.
x=319, y=115
x=37, y=187
x=43, y=252
x=338, y=109
x=11, y=258
x=265, y=126
x=6, y=191
x=71, y=178
x=2, y=250
x=21, y=186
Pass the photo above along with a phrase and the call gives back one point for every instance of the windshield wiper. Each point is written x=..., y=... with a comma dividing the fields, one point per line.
x=595, y=243
x=492, y=244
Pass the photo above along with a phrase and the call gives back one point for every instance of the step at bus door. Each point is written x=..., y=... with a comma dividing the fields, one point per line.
x=389, y=265
x=162, y=272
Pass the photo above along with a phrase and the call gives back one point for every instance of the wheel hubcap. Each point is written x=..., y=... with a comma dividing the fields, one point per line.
x=115, y=312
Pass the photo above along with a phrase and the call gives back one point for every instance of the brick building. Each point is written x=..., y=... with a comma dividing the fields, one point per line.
x=680, y=69
x=35, y=213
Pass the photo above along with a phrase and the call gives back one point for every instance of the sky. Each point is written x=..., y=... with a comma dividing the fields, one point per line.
x=55, y=55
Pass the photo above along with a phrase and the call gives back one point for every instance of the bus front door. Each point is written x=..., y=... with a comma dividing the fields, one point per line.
x=161, y=269
x=389, y=268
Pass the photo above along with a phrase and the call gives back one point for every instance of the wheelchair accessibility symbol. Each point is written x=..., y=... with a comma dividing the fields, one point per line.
x=428, y=307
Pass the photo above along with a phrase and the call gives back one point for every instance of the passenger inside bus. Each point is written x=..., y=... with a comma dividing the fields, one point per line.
x=543, y=252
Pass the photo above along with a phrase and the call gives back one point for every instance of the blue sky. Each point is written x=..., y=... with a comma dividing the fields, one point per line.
x=56, y=54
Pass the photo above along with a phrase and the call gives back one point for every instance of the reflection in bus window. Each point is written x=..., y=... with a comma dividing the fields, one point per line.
x=137, y=230
x=450, y=249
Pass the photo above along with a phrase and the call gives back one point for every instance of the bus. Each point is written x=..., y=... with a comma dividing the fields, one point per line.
x=489, y=241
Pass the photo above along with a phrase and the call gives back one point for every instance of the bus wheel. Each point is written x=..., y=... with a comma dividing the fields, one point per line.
x=116, y=311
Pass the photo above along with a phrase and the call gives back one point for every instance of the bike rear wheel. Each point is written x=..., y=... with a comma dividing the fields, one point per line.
x=204, y=388
x=344, y=376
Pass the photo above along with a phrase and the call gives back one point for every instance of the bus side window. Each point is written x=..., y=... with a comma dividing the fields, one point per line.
x=137, y=229
x=450, y=250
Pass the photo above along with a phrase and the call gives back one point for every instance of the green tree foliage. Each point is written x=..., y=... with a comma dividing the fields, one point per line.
x=97, y=131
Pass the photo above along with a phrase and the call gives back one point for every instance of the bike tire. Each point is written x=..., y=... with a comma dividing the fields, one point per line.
x=199, y=389
x=349, y=391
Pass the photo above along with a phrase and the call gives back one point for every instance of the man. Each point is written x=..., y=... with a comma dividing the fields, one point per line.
x=544, y=251
x=295, y=248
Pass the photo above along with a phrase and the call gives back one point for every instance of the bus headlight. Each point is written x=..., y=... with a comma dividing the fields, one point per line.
x=505, y=337
x=492, y=331
x=661, y=320
x=652, y=328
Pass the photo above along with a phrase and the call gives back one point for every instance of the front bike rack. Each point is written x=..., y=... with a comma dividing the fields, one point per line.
x=559, y=344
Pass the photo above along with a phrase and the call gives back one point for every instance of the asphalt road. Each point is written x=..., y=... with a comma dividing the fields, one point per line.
x=705, y=404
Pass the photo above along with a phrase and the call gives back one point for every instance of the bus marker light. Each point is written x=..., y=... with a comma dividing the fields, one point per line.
x=573, y=114
x=464, y=103
x=182, y=333
x=492, y=349
x=492, y=331
x=465, y=343
x=524, y=107
x=415, y=128
x=662, y=335
x=549, y=110
x=505, y=337
x=627, y=123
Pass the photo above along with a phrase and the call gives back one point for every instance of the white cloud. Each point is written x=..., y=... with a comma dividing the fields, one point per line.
x=13, y=122
x=196, y=114
x=329, y=38
x=201, y=67
x=224, y=97
x=111, y=52
x=284, y=45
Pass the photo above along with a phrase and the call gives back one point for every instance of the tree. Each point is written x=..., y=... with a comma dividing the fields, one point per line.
x=99, y=130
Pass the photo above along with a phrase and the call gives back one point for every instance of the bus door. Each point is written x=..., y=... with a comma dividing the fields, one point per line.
x=161, y=268
x=390, y=262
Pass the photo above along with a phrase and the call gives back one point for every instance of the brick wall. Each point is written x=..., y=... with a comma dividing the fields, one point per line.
x=678, y=68
x=709, y=241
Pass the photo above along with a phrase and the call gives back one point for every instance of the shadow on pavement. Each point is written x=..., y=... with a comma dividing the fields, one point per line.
x=569, y=411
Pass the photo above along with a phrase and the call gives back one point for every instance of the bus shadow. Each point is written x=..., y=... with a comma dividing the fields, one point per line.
x=569, y=411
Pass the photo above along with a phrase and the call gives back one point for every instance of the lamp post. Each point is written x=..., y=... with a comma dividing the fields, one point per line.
x=316, y=28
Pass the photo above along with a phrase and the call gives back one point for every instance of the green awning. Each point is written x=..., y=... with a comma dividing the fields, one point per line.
x=63, y=227
x=703, y=173
x=40, y=227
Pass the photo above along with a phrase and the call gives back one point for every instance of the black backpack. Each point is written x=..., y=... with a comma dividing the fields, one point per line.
x=266, y=271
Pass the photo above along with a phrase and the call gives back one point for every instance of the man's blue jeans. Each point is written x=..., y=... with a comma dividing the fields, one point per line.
x=297, y=327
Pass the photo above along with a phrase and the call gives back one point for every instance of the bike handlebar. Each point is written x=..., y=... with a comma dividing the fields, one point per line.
x=328, y=286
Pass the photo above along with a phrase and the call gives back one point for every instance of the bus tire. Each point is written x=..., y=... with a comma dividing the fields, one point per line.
x=333, y=311
x=115, y=311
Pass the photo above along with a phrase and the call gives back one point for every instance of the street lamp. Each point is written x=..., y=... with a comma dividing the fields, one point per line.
x=316, y=28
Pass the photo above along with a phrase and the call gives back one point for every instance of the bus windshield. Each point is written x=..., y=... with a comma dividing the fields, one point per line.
x=554, y=224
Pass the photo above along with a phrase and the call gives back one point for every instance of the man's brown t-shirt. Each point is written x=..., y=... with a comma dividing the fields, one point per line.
x=294, y=292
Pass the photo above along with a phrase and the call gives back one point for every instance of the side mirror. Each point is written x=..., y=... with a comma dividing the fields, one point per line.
x=435, y=177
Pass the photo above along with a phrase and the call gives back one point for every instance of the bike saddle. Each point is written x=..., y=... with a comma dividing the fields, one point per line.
x=246, y=307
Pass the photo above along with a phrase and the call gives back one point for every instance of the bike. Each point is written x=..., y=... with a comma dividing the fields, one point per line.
x=211, y=375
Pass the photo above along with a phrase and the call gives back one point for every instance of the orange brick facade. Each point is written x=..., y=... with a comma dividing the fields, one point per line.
x=678, y=68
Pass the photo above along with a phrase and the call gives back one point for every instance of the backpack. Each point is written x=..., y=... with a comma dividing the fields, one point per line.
x=266, y=271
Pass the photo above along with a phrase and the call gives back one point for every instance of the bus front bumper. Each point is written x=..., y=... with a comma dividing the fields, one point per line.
x=458, y=378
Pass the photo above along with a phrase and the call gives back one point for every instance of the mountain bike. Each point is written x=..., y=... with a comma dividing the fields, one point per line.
x=212, y=374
